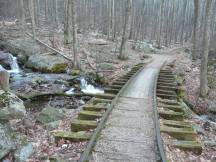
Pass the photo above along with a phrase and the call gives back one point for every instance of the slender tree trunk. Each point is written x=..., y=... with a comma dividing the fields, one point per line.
x=74, y=27
x=206, y=41
x=32, y=14
x=68, y=23
x=56, y=12
x=126, y=30
x=196, y=28
x=183, y=22
x=46, y=9
x=22, y=15
x=159, y=36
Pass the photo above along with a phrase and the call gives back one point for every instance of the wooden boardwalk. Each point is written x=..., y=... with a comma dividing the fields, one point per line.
x=129, y=133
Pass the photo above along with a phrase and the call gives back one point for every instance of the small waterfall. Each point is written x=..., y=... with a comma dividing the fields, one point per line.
x=13, y=64
x=86, y=88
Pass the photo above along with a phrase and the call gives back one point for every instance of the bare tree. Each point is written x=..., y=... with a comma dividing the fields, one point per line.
x=206, y=41
x=126, y=30
x=159, y=36
x=22, y=14
x=74, y=28
x=68, y=22
x=196, y=28
x=32, y=14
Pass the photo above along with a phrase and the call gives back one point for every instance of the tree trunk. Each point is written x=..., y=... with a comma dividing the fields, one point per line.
x=183, y=22
x=126, y=30
x=22, y=14
x=56, y=12
x=68, y=23
x=159, y=36
x=46, y=9
x=74, y=27
x=196, y=28
x=32, y=14
x=206, y=41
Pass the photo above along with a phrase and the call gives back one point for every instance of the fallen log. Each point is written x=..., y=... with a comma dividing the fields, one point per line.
x=51, y=48
x=4, y=79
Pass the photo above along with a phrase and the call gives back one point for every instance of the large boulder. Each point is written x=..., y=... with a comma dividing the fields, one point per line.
x=11, y=107
x=47, y=63
x=6, y=142
x=12, y=142
x=144, y=47
x=5, y=59
x=50, y=114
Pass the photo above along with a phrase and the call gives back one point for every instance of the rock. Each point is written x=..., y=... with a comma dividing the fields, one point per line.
x=11, y=107
x=106, y=66
x=24, y=153
x=47, y=63
x=22, y=45
x=144, y=47
x=5, y=60
x=4, y=79
x=98, y=42
x=50, y=114
x=52, y=125
x=6, y=142
x=75, y=72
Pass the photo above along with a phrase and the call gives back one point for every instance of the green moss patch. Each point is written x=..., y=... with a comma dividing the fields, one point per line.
x=59, y=68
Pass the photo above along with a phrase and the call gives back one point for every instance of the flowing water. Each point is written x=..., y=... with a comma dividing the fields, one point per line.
x=86, y=88
x=14, y=65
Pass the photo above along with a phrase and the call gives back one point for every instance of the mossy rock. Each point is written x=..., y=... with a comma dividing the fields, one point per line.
x=89, y=115
x=75, y=72
x=179, y=133
x=83, y=125
x=72, y=136
x=193, y=146
x=59, y=68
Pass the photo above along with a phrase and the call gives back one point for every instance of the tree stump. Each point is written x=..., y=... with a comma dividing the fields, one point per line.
x=4, y=79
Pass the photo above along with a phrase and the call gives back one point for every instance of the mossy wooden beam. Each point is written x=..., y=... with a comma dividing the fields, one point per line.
x=171, y=115
x=72, y=136
x=174, y=123
x=163, y=83
x=176, y=108
x=166, y=91
x=193, y=146
x=89, y=115
x=179, y=133
x=94, y=108
x=172, y=88
x=111, y=90
x=105, y=96
x=83, y=125
x=167, y=96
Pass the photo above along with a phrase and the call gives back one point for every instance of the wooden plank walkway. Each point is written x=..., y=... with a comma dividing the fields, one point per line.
x=129, y=133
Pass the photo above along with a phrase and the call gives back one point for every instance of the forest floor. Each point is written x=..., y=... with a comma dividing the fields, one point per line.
x=94, y=49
